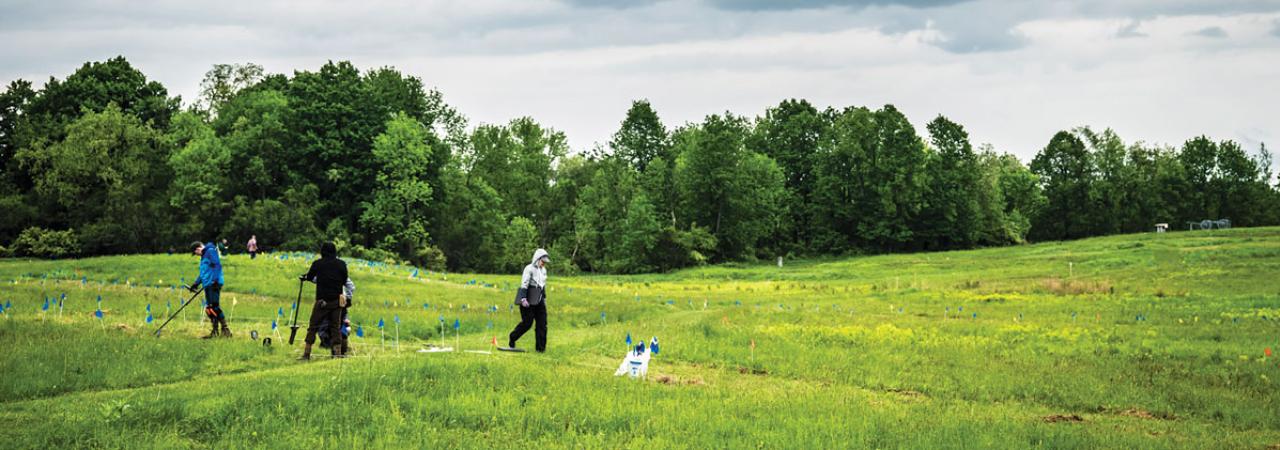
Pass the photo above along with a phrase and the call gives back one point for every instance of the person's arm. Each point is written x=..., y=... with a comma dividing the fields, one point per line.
x=206, y=271
x=311, y=273
x=522, y=296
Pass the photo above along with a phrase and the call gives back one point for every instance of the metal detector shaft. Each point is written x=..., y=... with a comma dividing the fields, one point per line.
x=293, y=329
x=175, y=313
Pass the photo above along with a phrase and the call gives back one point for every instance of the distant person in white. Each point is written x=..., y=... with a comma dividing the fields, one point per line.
x=532, y=298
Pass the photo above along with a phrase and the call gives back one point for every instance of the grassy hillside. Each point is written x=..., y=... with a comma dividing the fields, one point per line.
x=1141, y=341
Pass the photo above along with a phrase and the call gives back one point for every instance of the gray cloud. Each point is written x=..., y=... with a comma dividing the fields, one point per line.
x=766, y=5
x=1215, y=32
x=575, y=64
x=1130, y=30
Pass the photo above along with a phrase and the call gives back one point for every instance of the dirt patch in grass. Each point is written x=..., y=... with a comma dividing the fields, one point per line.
x=672, y=379
x=1056, y=418
x=1144, y=414
x=750, y=371
x=1060, y=286
x=906, y=392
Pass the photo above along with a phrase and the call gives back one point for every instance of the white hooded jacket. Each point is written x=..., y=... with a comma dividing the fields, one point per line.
x=534, y=274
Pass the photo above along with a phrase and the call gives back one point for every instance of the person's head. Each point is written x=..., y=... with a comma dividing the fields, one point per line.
x=540, y=258
x=253, y=237
x=197, y=248
x=328, y=250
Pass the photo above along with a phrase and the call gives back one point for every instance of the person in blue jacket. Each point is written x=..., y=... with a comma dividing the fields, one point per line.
x=211, y=279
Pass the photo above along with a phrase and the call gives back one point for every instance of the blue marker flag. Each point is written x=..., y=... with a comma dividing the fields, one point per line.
x=359, y=331
x=273, y=324
x=456, y=324
x=628, y=339
x=425, y=306
x=99, y=299
x=653, y=346
x=397, y=319
x=280, y=311
x=380, y=323
x=46, y=304
x=601, y=316
x=98, y=314
x=442, y=321
x=148, y=308
x=149, y=319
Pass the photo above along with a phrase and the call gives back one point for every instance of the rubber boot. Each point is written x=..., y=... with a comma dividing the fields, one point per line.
x=226, y=332
x=213, y=333
x=337, y=350
x=306, y=353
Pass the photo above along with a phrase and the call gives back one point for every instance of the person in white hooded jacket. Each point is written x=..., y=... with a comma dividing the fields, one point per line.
x=532, y=299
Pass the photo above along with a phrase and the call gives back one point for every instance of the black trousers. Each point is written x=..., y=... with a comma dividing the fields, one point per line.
x=328, y=316
x=528, y=317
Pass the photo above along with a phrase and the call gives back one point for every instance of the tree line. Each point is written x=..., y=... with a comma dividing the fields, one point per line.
x=106, y=162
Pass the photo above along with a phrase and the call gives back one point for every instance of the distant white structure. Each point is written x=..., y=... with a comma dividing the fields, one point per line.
x=1162, y=227
x=779, y=262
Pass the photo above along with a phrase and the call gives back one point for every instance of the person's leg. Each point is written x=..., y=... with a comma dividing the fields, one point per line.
x=526, y=321
x=346, y=345
x=540, y=330
x=313, y=325
x=217, y=309
x=334, y=316
x=211, y=309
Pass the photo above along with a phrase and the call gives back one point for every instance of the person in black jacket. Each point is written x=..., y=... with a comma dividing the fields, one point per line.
x=330, y=275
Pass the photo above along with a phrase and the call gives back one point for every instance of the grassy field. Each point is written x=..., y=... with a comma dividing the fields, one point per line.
x=1140, y=341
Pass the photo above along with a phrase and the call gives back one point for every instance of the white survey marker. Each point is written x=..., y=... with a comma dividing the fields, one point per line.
x=636, y=364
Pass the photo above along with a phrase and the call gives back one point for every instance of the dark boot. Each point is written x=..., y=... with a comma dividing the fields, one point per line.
x=226, y=332
x=213, y=332
x=337, y=350
x=306, y=353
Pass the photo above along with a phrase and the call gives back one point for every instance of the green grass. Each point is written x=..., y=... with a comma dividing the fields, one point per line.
x=1153, y=341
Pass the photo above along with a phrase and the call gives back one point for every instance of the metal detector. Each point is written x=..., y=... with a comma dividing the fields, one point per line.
x=175, y=313
x=293, y=329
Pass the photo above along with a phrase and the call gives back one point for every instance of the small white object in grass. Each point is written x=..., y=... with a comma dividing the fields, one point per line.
x=435, y=349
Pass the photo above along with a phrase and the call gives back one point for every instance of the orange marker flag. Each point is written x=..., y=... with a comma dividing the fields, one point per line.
x=495, y=341
x=1267, y=352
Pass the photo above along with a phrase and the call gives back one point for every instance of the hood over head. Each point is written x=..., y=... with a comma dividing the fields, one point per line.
x=539, y=254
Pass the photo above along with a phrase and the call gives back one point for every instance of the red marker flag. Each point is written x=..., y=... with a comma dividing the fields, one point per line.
x=1267, y=352
x=495, y=341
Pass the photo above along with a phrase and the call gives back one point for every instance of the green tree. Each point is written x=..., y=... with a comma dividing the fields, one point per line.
x=517, y=160
x=200, y=168
x=1066, y=174
x=222, y=82
x=13, y=104
x=870, y=183
x=642, y=137
x=106, y=179
x=950, y=218
x=395, y=218
x=790, y=134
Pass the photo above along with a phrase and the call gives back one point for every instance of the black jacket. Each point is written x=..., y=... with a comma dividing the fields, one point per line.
x=329, y=275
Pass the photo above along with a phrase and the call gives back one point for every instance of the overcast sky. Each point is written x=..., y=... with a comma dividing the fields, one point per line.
x=1013, y=72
